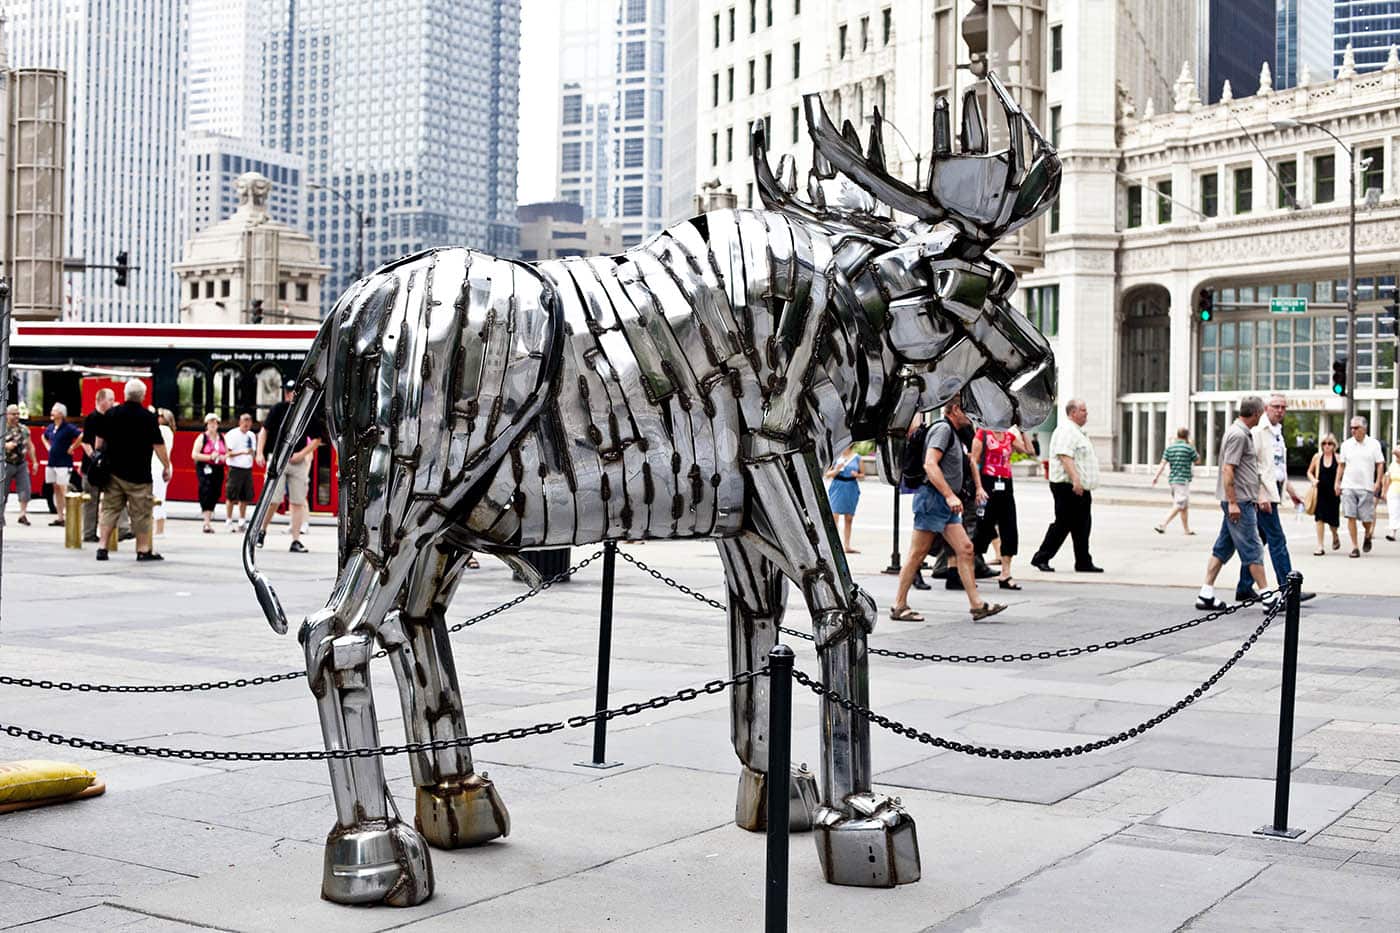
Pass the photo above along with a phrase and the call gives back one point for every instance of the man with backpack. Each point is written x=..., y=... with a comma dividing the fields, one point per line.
x=938, y=511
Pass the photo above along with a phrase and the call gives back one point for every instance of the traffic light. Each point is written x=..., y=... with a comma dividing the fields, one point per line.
x=257, y=310
x=1391, y=312
x=1206, y=304
x=122, y=268
x=1339, y=375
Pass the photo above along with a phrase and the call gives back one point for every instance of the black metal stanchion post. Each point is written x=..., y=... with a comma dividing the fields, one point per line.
x=894, y=541
x=1280, y=827
x=605, y=612
x=779, y=767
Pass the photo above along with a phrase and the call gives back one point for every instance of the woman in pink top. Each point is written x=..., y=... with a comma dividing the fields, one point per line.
x=209, y=454
x=991, y=455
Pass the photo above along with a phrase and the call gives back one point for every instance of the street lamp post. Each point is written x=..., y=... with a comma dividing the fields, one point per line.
x=362, y=220
x=1290, y=123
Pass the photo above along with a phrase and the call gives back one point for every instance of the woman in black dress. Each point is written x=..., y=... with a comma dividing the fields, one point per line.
x=1323, y=473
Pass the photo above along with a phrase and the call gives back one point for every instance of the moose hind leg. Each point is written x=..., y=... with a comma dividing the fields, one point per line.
x=757, y=593
x=456, y=807
x=371, y=856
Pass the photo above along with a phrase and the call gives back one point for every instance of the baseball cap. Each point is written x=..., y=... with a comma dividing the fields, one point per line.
x=289, y=384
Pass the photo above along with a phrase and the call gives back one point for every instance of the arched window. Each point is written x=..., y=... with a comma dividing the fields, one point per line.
x=192, y=393
x=1145, y=347
x=228, y=378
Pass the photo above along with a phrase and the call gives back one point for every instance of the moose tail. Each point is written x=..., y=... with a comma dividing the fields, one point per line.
x=309, y=393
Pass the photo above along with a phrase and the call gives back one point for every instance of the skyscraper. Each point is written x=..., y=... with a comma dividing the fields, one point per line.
x=126, y=112
x=1240, y=37
x=1369, y=27
x=215, y=162
x=410, y=119
x=225, y=67
x=1302, y=37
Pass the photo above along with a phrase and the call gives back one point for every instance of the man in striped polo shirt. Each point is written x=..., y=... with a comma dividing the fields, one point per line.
x=1180, y=456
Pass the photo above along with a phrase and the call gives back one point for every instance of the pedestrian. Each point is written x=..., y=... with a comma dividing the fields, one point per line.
x=242, y=446
x=991, y=460
x=1392, y=492
x=938, y=511
x=128, y=435
x=1237, y=488
x=103, y=403
x=296, y=478
x=1074, y=472
x=20, y=462
x=1327, y=508
x=59, y=438
x=1363, y=464
x=166, y=420
x=1180, y=456
x=209, y=454
x=844, y=492
x=1271, y=459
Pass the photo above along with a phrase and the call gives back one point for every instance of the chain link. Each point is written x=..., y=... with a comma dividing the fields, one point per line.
x=1066, y=751
x=379, y=751
x=42, y=684
x=670, y=581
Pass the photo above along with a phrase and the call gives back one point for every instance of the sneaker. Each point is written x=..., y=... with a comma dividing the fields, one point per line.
x=102, y=553
x=149, y=555
x=297, y=548
x=262, y=538
x=1210, y=605
x=24, y=520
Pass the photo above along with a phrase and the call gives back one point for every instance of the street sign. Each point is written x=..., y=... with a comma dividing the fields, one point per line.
x=1288, y=305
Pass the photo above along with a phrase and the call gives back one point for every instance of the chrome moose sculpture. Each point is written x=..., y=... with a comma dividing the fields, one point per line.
x=691, y=387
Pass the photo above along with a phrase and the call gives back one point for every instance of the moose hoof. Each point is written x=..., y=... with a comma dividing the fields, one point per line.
x=461, y=812
x=874, y=845
x=383, y=862
x=751, y=808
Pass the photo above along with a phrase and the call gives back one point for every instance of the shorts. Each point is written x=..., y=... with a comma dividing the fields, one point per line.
x=57, y=476
x=239, y=486
x=931, y=511
x=1240, y=537
x=136, y=498
x=1359, y=504
x=293, y=483
x=1181, y=495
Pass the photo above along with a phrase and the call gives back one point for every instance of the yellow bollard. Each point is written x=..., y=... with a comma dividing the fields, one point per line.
x=73, y=520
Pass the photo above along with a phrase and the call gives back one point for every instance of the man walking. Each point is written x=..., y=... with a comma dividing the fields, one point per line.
x=238, y=489
x=1181, y=456
x=1237, y=488
x=20, y=462
x=1359, y=482
x=938, y=510
x=1271, y=456
x=297, y=477
x=106, y=398
x=1074, y=472
x=59, y=439
x=128, y=435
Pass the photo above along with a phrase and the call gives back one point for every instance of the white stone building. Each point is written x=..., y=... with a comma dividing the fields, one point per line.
x=216, y=162
x=250, y=269
x=560, y=229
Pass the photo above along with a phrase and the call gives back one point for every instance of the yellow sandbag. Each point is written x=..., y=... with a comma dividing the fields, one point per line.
x=41, y=780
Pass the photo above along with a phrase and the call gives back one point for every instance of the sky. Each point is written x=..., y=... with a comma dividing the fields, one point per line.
x=539, y=80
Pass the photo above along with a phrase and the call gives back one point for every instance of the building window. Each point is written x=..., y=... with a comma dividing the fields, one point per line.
x=636, y=11
x=571, y=158
x=714, y=88
x=1373, y=175
x=573, y=108
x=634, y=105
x=886, y=25
x=194, y=290
x=768, y=10
x=1055, y=126
x=303, y=292
x=1055, y=216
x=716, y=30
x=281, y=291
x=714, y=148
x=633, y=152
x=767, y=70
x=1043, y=308
x=1210, y=194
x=1057, y=48
x=1244, y=190
x=864, y=33
x=1135, y=206
x=796, y=124
x=730, y=76
x=748, y=194
x=1287, y=183
x=1164, y=202
x=753, y=16
x=796, y=7
x=729, y=144
x=632, y=201
x=731, y=24
x=753, y=77
x=224, y=288
x=636, y=57
x=797, y=59
x=841, y=41
x=1324, y=179
x=209, y=289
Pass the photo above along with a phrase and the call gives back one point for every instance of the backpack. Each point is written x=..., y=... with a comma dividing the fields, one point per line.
x=911, y=459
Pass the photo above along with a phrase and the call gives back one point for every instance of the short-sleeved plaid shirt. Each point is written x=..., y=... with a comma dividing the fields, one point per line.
x=1180, y=456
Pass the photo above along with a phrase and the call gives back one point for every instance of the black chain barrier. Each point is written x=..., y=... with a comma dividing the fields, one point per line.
x=1266, y=597
x=380, y=751
x=43, y=684
x=1067, y=751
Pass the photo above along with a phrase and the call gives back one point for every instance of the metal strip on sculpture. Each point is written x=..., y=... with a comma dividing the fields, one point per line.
x=692, y=387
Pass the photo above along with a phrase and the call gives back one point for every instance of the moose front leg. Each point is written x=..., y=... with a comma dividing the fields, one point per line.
x=863, y=838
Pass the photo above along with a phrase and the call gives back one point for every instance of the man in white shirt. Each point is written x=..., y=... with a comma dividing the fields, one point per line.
x=1271, y=453
x=242, y=443
x=1359, y=481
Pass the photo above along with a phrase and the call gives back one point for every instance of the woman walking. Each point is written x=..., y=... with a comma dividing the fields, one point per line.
x=209, y=453
x=166, y=421
x=991, y=456
x=1392, y=492
x=1322, y=471
x=844, y=492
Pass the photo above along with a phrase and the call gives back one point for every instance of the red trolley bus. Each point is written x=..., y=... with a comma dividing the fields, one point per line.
x=191, y=370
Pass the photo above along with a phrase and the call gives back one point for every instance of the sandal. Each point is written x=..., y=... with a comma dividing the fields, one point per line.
x=986, y=611
x=1319, y=552
x=1008, y=584
x=1354, y=553
x=904, y=614
x=1159, y=529
x=24, y=519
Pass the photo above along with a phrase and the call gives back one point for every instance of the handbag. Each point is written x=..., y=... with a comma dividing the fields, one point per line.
x=99, y=472
x=1310, y=501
